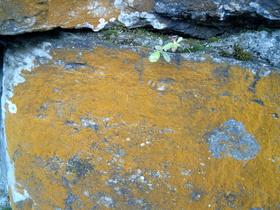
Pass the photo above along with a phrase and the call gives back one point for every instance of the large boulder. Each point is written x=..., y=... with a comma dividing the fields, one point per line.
x=92, y=125
x=197, y=18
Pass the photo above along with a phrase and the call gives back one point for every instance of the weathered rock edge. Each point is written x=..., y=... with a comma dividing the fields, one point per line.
x=201, y=19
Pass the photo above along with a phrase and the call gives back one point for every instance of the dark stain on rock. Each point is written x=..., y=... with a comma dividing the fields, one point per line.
x=275, y=115
x=252, y=87
x=260, y=102
x=166, y=80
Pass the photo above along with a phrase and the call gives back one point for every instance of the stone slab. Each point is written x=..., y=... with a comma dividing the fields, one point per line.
x=93, y=126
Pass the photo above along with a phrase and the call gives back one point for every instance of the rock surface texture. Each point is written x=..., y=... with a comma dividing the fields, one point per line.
x=91, y=125
x=197, y=18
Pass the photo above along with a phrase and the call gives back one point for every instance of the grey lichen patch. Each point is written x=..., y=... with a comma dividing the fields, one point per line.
x=232, y=140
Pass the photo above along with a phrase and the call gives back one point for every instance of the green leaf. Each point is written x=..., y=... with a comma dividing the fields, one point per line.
x=154, y=56
x=168, y=46
x=160, y=42
x=166, y=56
x=179, y=39
x=158, y=47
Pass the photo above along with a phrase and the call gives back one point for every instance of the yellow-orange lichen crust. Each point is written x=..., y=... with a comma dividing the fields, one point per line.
x=92, y=14
x=71, y=13
x=18, y=16
x=106, y=128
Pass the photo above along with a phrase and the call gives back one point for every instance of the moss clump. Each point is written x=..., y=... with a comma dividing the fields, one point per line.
x=226, y=53
x=197, y=48
x=240, y=54
x=269, y=30
x=213, y=39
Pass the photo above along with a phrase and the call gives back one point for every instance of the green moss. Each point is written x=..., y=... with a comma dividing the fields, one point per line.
x=240, y=54
x=119, y=34
x=146, y=33
x=213, y=39
x=226, y=53
x=269, y=30
x=192, y=41
x=198, y=47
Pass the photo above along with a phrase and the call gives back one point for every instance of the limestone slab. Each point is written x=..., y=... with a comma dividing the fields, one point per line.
x=93, y=126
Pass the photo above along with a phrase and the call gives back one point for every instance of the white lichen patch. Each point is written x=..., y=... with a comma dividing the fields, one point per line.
x=161, y=88
x=16, y=194
x=19, y=58
x=12, y=107
x=101, y=25
x=86, y=25
x=122, y=3
x=134, y=19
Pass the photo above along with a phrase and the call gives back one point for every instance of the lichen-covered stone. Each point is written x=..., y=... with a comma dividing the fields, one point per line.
x=90, y=125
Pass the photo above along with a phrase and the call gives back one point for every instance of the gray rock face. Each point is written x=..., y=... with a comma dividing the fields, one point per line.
x=264, y=45
x=4, y=198
x=204, y=19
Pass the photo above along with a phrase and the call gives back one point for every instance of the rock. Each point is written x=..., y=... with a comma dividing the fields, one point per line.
x=4, y=199
x=264, y=44
x=196, y=18
x=205, y=19
x=91, y=124
x=26, y=16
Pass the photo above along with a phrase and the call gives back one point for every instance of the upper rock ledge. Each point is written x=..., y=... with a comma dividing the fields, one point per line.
x=197, y=18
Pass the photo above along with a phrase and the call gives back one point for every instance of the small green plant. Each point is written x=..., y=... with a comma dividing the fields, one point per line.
x=161, y=50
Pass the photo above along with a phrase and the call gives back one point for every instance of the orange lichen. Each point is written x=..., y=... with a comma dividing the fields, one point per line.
x=142, y=127
x=83, y=14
